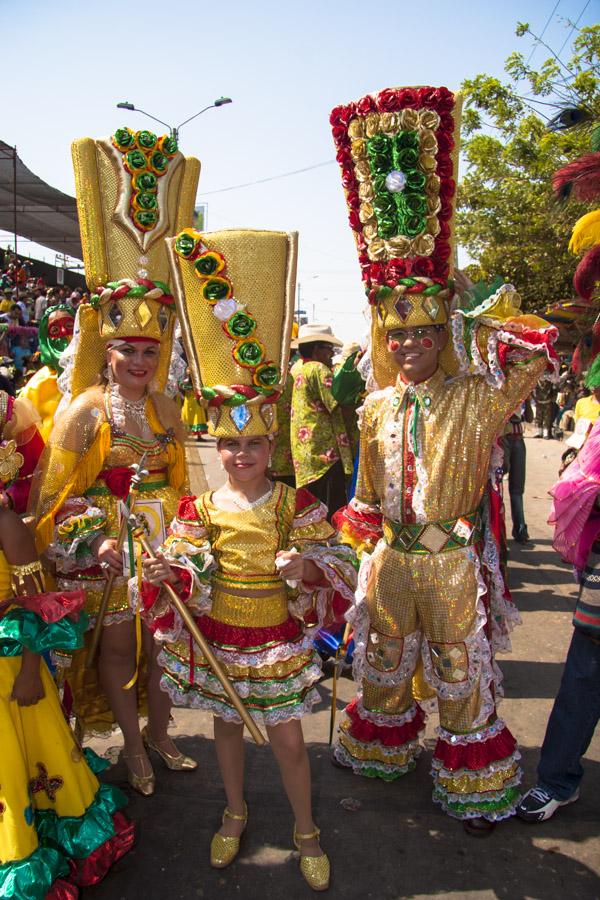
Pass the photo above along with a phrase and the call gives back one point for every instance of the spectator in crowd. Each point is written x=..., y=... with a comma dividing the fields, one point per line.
x=320, y=445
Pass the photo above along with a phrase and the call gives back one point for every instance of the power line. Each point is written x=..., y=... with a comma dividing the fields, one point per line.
x=236, y=187
x=573, y=27
x=537, y=43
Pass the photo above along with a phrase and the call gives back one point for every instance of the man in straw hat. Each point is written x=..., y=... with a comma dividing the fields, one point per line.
x=432, y=586
x=320, y=445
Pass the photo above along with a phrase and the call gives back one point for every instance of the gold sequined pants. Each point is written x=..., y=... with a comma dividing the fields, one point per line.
x=410, y=599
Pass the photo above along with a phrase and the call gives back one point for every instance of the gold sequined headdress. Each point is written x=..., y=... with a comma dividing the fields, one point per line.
x=398, y=152
x=133, y=190
x=234, y=292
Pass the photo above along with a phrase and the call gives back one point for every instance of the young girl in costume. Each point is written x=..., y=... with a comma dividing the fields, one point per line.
x=256, y=561
x=116, y=412
x=59, y=828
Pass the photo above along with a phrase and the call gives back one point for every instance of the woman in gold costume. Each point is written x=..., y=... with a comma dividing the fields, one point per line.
x=84, y=473
x=256, y=560
x=133, y=189
x=59, y=827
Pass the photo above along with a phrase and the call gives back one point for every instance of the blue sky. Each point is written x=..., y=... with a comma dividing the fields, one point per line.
x=66, y=64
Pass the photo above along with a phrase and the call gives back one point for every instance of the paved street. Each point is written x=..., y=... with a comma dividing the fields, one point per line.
x=389, y=841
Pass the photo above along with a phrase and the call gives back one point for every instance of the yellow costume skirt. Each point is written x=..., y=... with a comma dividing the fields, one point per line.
x=57, y=822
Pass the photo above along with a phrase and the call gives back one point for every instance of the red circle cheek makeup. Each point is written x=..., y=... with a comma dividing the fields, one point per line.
x=426, y=343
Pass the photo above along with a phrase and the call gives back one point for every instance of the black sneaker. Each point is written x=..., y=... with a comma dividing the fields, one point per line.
x=537, y=805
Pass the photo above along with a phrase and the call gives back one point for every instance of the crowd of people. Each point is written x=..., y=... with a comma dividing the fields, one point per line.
x=363, y=497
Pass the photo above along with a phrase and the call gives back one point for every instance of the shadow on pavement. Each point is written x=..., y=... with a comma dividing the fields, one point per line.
x=397, y=844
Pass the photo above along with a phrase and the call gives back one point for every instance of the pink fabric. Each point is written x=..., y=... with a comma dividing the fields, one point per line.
x=576, y=521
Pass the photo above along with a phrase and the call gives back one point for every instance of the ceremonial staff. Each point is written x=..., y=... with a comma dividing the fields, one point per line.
x=190, y=624
x=139, y=473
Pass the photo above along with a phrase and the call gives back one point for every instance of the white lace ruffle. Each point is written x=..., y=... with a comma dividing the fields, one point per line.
x=319, y=514
x=184, y=529
x=482, y=797
x=204, y=679
x=504, y=613
x=383, y=721
x=76, y=584
x=194, y=699
x=457, y=327
x=477, y=737
x=334, y=563
x=359, y=766
x=279, y=653
x=367, y=508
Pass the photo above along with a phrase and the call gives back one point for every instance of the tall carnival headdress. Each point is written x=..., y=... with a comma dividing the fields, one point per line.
x=398, y=152
x=234, y=292
x=134, y=189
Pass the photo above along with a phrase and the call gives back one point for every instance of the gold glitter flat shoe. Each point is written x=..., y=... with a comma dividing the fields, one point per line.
x=224, y=849
x=176, y=762
x=143, y=784
x=315, y=870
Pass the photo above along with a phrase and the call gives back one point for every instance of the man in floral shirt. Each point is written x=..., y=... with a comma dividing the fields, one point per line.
x=320, y=445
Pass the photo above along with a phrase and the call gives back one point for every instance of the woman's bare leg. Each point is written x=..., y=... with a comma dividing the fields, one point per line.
x=116, y=666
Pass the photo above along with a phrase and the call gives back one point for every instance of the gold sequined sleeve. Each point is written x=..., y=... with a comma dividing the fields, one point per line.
x=521, y=378
x=73, y=457
x=367, y=483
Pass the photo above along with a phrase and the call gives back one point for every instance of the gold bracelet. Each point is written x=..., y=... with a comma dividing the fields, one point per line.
x=19, y=573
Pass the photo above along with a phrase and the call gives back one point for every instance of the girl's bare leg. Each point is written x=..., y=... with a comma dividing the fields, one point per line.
x=229, y=744
x=288, y=746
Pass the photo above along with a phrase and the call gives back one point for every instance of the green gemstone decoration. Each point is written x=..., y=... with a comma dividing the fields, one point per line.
x=146, y=181
x=159, y=161
x=400, y=213
x=169, y=145
x=208, y=393
x=250, y=353
x=147, y=200
x=240, y=325
x=185, y=245
x=136, y=160
x=206, y=265
x=215, y=290
x=123, y=138
x=268, y=375
x=147, y=140
x=146, y=217
x=164, y=287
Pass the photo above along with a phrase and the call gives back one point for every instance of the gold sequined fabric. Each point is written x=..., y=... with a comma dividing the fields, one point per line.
x=458, y=422
x=244, y=542
x=261, y=266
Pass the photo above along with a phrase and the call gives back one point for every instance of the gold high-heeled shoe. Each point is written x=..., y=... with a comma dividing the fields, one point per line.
x=316, y=870
x=143, y=784
x=224, y=849
x=177, y=763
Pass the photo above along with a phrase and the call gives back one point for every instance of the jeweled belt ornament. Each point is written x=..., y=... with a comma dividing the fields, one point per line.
x=434, y=537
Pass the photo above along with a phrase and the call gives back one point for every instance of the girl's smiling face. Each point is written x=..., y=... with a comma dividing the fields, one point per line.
x=244, y=458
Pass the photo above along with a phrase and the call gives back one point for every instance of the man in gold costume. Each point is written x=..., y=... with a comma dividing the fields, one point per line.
x=430, y=585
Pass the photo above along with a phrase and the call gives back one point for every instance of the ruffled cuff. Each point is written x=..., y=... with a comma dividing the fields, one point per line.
x=162, y=619
x=78, y=525
x=360, y=525
x=23, y=629
x=326, y=602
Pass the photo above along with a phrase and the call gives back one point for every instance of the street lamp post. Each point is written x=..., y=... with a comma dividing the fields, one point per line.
x=174, y=129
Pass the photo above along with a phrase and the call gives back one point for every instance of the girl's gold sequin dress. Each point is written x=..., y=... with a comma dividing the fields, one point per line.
x=83, y=474
x=252, y=620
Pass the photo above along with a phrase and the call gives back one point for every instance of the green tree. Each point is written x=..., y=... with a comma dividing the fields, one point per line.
x=508, y=219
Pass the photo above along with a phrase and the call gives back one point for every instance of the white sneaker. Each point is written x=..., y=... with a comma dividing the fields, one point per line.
x=537, y=805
